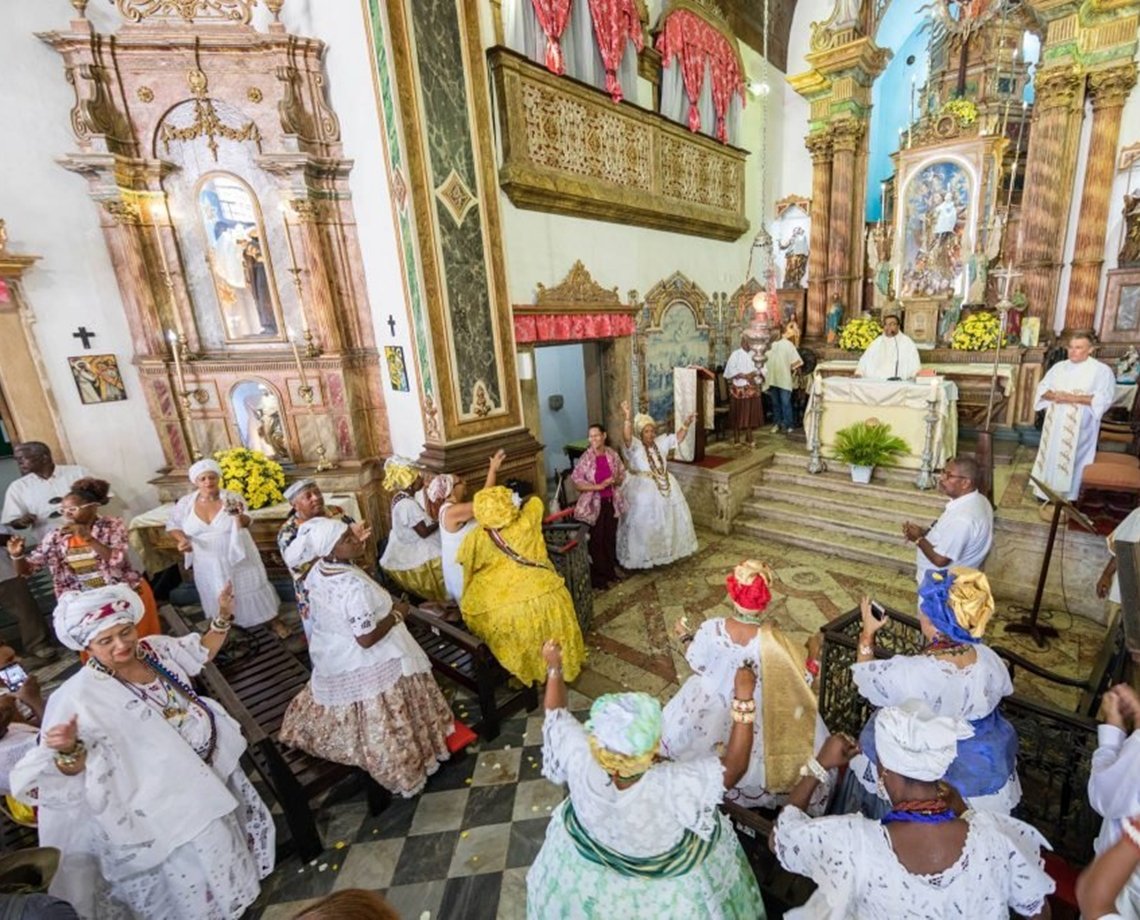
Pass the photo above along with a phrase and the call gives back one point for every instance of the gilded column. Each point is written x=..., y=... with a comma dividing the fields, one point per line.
x=819, y=145
x=845, y=141
x=1047, y=195
x=1109, y=90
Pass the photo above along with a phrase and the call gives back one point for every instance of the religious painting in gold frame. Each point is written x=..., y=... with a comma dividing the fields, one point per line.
x=1120, y=321
x=238, y=259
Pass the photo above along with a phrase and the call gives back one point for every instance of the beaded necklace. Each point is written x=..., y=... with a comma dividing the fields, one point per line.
x=944, y=645
x=172, y=685
x=657, y=468
x=924, y=811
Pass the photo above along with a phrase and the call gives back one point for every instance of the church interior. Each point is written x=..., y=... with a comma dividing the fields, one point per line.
x=323, y=242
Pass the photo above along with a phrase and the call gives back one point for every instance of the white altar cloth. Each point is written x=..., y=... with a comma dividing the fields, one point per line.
x=901, y=405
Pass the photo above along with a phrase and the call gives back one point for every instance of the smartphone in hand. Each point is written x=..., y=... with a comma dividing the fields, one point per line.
x=13, y=676
x=878, y=611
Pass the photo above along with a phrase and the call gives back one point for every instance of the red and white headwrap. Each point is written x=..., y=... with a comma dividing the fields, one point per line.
x=747, y=585
x=81, y=615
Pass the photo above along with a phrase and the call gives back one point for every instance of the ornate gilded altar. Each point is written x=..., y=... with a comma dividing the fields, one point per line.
x=214, y=159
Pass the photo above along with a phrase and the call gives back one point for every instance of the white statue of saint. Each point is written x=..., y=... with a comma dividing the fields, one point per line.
x=845, y=15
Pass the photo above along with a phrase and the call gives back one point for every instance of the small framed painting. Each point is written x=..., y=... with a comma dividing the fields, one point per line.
x=1120, y=321
x=97, y=378
x=397, y=369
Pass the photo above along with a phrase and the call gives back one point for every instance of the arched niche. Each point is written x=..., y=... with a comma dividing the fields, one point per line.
x=673, y=331
x=258, y=418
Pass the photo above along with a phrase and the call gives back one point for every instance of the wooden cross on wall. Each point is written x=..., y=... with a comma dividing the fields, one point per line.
x=83, y=334
x=392, y=324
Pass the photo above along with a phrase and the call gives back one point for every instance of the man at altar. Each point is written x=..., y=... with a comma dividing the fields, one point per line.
x=1074, y=394
x=892, y=356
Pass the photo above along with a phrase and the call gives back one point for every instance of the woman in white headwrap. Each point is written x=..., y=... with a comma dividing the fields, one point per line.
x=928, y=856
x=456, y=519
x=371, y=701
x=211, y=527
x=656, y=527
x=413, y=555
x=137, y=777
x=638, y=836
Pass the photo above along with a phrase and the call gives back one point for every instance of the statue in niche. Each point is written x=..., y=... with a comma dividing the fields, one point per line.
x=834, y=320
x=948, y=322
x=1128, y=366
x=795, y=258
x=1130, y=251
x=878, y=258
x=977, y=275
x=236, y=256
x=260, y=424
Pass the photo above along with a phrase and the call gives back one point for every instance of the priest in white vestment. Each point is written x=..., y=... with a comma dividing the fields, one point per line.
x=892, y=356
x=1074, y=394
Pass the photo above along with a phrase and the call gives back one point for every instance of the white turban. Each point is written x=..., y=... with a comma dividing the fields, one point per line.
x=296, y=488
x=912, y=741
x=441, y=487
x=315, y=539
x=640, y=421
x=204, y=466
x=81, y=615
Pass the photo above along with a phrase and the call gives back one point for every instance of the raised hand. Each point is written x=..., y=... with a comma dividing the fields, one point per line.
x=16, y=546
x=871, y=624
x=837, y=751
x=744, y=683
x=497, y=459
x=361, y=531
x=625, y=407
x=226, y=601
x=552, y=653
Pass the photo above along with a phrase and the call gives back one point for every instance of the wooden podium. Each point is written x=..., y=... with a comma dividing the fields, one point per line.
x=693, y=391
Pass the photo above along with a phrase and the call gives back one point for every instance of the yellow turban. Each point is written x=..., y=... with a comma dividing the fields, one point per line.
x=971, y=600
x=398, y=474
x=496, y=507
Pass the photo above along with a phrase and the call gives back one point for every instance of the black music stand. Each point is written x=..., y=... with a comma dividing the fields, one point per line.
x=1029, y=624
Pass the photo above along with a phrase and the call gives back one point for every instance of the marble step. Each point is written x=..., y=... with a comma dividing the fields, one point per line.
x=832, y=516
x=816, y=496
x=807, y=535
x=789, y=463
x=872, y=496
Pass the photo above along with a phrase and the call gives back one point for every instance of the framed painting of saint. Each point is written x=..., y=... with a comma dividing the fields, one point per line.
x=936, y=240
x=1120, y=321
x=97, y=378
x=397, y=369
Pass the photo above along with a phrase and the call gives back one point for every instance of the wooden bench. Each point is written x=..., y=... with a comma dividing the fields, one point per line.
x=255, y=679
x=466, y=659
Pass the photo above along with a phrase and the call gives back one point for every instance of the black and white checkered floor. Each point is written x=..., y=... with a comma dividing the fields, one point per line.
x=460, y=849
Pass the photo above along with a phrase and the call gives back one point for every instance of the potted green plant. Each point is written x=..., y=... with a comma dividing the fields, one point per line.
x=866, y=445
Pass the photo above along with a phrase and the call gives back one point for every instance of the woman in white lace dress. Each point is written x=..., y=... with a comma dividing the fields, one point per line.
x=656, y=527
x=929, y=857
x=788, y=729
x=211, y=527
x=638, y=837
x=457, y=519
x=371, y=701
x=137, y=777
x=413, y=554
x=956, y=675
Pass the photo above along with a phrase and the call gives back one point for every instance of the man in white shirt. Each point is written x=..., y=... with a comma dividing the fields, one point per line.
x=1108, y=585
x=31, y=504
x=892, y=356
x=964, y=532
x=746, y=411
x=782, y=361
x=1114, y=779
x=1074, y=394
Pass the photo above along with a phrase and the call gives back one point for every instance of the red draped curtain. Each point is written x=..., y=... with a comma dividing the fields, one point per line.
x=552, y=17
x=695, y=43
x=616, y=23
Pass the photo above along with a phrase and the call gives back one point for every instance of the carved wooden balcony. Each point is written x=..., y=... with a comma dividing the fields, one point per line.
x=567, y=148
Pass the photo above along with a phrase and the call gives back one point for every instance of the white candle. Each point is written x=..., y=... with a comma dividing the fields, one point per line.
x=292, y=253
x=175, y=348
x=297, y=357
x=933, y=389
x=818, y=383
x=882, y=202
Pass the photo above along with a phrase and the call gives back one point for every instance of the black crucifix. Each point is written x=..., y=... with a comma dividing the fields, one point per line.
x=392, y=324
x=83, y=334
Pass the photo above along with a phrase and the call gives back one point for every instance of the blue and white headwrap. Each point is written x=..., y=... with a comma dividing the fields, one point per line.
x=958, y=602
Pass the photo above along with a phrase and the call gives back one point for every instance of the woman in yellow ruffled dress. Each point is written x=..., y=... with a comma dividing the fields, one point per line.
x=513, y=599
x=413, y=556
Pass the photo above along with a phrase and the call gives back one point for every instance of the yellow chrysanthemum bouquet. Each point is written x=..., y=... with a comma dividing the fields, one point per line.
x=977, y=332
x=859, y=333
x=252, y=475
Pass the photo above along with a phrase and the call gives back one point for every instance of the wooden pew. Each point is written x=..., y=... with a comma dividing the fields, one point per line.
x=465, y=659
x=255, y=681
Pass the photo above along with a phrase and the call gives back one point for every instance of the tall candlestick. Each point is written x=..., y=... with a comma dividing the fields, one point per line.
x=910, y=126
x=292, y=253
x=882, y=202
x=1016, y=159
x=297, y=358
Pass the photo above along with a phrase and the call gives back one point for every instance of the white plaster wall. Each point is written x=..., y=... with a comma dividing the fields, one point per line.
x=49, y=214
x=796, y=178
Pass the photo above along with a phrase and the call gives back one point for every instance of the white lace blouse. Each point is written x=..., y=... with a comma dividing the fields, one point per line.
x=851, y=860
x=645, y=819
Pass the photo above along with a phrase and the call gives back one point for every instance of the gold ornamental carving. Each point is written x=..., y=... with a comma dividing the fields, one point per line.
x=1110, y=88
x=570, y=150
x=1057, y=87
x=455, y=197
x=845, y=135
x=792, y=201
x=819, y=145
x=124, y=212
x=254, y=95
x=578, y=290
x=145, y=94
x=188, y=10
x=307, y=210
x=207, y=123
